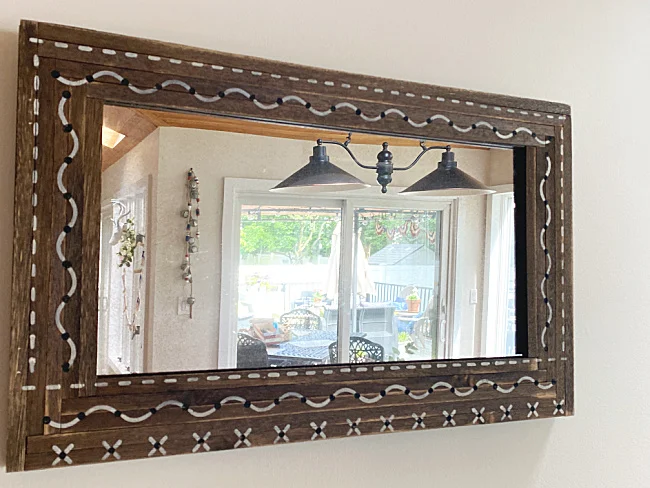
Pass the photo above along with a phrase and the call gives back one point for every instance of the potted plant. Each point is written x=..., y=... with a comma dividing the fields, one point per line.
x=413, y=302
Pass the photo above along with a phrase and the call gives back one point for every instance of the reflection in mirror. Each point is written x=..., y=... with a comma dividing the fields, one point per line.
x=202, y=267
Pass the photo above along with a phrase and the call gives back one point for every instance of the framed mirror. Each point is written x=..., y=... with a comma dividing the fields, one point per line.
x=230, y=252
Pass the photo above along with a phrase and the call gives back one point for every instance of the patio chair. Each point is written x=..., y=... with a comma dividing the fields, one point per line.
x=300, y=319
x=361, y=351
x=251, y=352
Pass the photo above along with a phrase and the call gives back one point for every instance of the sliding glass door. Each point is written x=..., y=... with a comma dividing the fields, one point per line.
x=335, y=280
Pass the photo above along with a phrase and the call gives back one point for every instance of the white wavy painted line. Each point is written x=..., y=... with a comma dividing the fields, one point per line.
x=301, y=101
x=260, y=409
x=71, y=223
x=542, y=242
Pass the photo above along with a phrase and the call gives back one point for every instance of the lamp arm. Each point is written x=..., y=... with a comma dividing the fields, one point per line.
x=344, y=145
x=422, y=153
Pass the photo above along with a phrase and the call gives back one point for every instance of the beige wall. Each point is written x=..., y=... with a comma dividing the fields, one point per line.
x=180, y=343
x=592, y=54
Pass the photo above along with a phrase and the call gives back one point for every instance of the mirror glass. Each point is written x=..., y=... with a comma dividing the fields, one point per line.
x=202, y=267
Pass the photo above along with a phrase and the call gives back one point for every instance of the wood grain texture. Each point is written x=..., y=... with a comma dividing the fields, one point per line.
x=23, y=213
x=83, y=410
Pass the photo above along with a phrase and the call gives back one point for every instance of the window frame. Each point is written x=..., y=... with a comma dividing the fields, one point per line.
x=243, y=191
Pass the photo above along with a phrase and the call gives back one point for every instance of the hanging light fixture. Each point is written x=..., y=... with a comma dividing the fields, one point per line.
x=321, y=175
x=448, y=180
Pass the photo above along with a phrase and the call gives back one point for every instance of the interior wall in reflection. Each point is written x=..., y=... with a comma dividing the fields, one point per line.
x=174, y=342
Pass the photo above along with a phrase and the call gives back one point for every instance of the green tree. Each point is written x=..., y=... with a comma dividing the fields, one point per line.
x=296, y=236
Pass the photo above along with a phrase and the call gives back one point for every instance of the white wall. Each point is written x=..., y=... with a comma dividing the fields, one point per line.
x=592, y=54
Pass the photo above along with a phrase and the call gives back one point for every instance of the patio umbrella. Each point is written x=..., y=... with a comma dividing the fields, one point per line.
x=365, y=285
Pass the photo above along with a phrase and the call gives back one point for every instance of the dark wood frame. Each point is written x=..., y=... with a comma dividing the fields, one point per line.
x=54, y=418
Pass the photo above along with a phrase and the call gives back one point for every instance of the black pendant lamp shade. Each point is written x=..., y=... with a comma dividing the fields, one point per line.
x=448, y=180
x=319, y=175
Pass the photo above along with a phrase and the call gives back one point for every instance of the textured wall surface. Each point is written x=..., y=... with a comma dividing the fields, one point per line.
x=591, y=54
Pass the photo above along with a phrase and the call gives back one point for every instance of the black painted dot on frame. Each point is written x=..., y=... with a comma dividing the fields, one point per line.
x=430, y=390
x=47, y=420
x=111, y=450
x=536, y=383
x=333, y=108
x=221, y=94
x=474, y=126
x=66, y=264
x=358, y=111
x=276, y=401
x=382, y=392
x=125, y=82
x=429, y=120
x=65, y=336
x=65, y=367
x=387, y=423
x=247, y=404
x=553, y=381
x=308, y=105
x=450, y=123
x=303, y=400
x=242, y=437
x=495, y=386
x=152, y=410
x=514, y=132
x=65, y=299
x=475, y=387
x=67, y=195
x=217, y=406
x=90, y=78
x=281, y=434
x=185, y=406
x=546, y=348
x=515, y=384
x=158, y=86
x=407, y=391
x=62, y=455
x=192, y=91
x=494, y=129
x=449, y=418
x=67, y=229
x=67, y=128
x=251, y=96
x=55, y=74
x=67, y=160
x=545, y=300
x=279, y=101
x=117, y=413
x=534, y=135
x=319, y=430
x=157, y=445
x=332, y=398
x=81, y=415
x=452, y=389
x=66, y=94
x=547, y=276
x=547, y=325
x=357, y=395
x=406, y=118
x=382, y=115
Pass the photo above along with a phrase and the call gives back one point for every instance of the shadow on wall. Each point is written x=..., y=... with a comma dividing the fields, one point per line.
x=8, y=64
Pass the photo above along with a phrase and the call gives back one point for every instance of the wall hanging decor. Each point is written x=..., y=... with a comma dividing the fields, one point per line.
x=191, y=215
x=62, y=413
